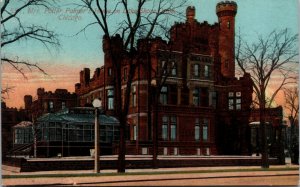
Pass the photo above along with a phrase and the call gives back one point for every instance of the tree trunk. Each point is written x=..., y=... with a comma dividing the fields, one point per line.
x=264, y=145
x=121, y=111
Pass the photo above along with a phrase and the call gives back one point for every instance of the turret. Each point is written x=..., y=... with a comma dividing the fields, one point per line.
x=28, y=101
x=190, y=14
x=85, y=76
x=40, y=92
x=226, y=12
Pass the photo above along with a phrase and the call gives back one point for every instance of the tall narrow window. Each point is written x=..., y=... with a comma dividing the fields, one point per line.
x=175, y=151
x=174, y=69
x=134, y=132
x=196, y=70
x=206, y=71
x=230, y=101
x=173, y=127
x=51, y=106
x=164, y=67
x=165, y=151
x=197, y=129
x=125, y=74
x=165, y=128
x=110, y=96
x=205, y=130
x=213, y=98
x=196, y=97
x=63, y=105
x=164, y=95
x=238, y=101
x=109, y=71
x=134, y=96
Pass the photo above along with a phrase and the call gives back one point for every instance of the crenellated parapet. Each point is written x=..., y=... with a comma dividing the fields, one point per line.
x=226, y=8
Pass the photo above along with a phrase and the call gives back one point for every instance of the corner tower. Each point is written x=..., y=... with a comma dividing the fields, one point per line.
x=226, y=12
x=190, y=14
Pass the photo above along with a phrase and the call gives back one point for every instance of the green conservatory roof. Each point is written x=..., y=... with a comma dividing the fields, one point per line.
x=77, y=115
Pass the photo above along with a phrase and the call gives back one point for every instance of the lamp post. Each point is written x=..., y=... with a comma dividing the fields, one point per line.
x=97, y=104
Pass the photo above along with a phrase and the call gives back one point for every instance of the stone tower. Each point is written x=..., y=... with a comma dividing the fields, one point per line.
x=190, y=14
x=28, y=101
x=226, y=12
x=112, y=48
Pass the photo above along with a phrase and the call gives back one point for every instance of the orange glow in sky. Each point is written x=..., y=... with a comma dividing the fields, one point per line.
x=63, y=76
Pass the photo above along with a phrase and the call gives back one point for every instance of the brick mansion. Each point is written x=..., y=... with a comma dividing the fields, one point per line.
x=203, y=109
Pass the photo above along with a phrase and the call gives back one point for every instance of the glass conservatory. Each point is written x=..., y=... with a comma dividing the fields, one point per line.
x=71, y=133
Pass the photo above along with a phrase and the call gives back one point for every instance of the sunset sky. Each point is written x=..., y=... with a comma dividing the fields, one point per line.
x=254, y=17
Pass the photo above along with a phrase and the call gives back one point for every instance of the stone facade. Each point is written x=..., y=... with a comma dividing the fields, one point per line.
x=203, y=108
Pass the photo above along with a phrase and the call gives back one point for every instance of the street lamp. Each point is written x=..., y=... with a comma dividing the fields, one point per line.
x=97, y=104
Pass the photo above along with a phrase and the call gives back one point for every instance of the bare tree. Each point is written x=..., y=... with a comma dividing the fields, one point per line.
x=14, y=30
x=292, y=106
x=5, y=92
x=136, y=23
x=272, y=55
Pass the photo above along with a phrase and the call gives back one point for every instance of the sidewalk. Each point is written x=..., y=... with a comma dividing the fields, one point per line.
x=8, y=170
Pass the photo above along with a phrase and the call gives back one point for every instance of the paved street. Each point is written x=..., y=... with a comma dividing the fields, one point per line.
x=209, y=177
